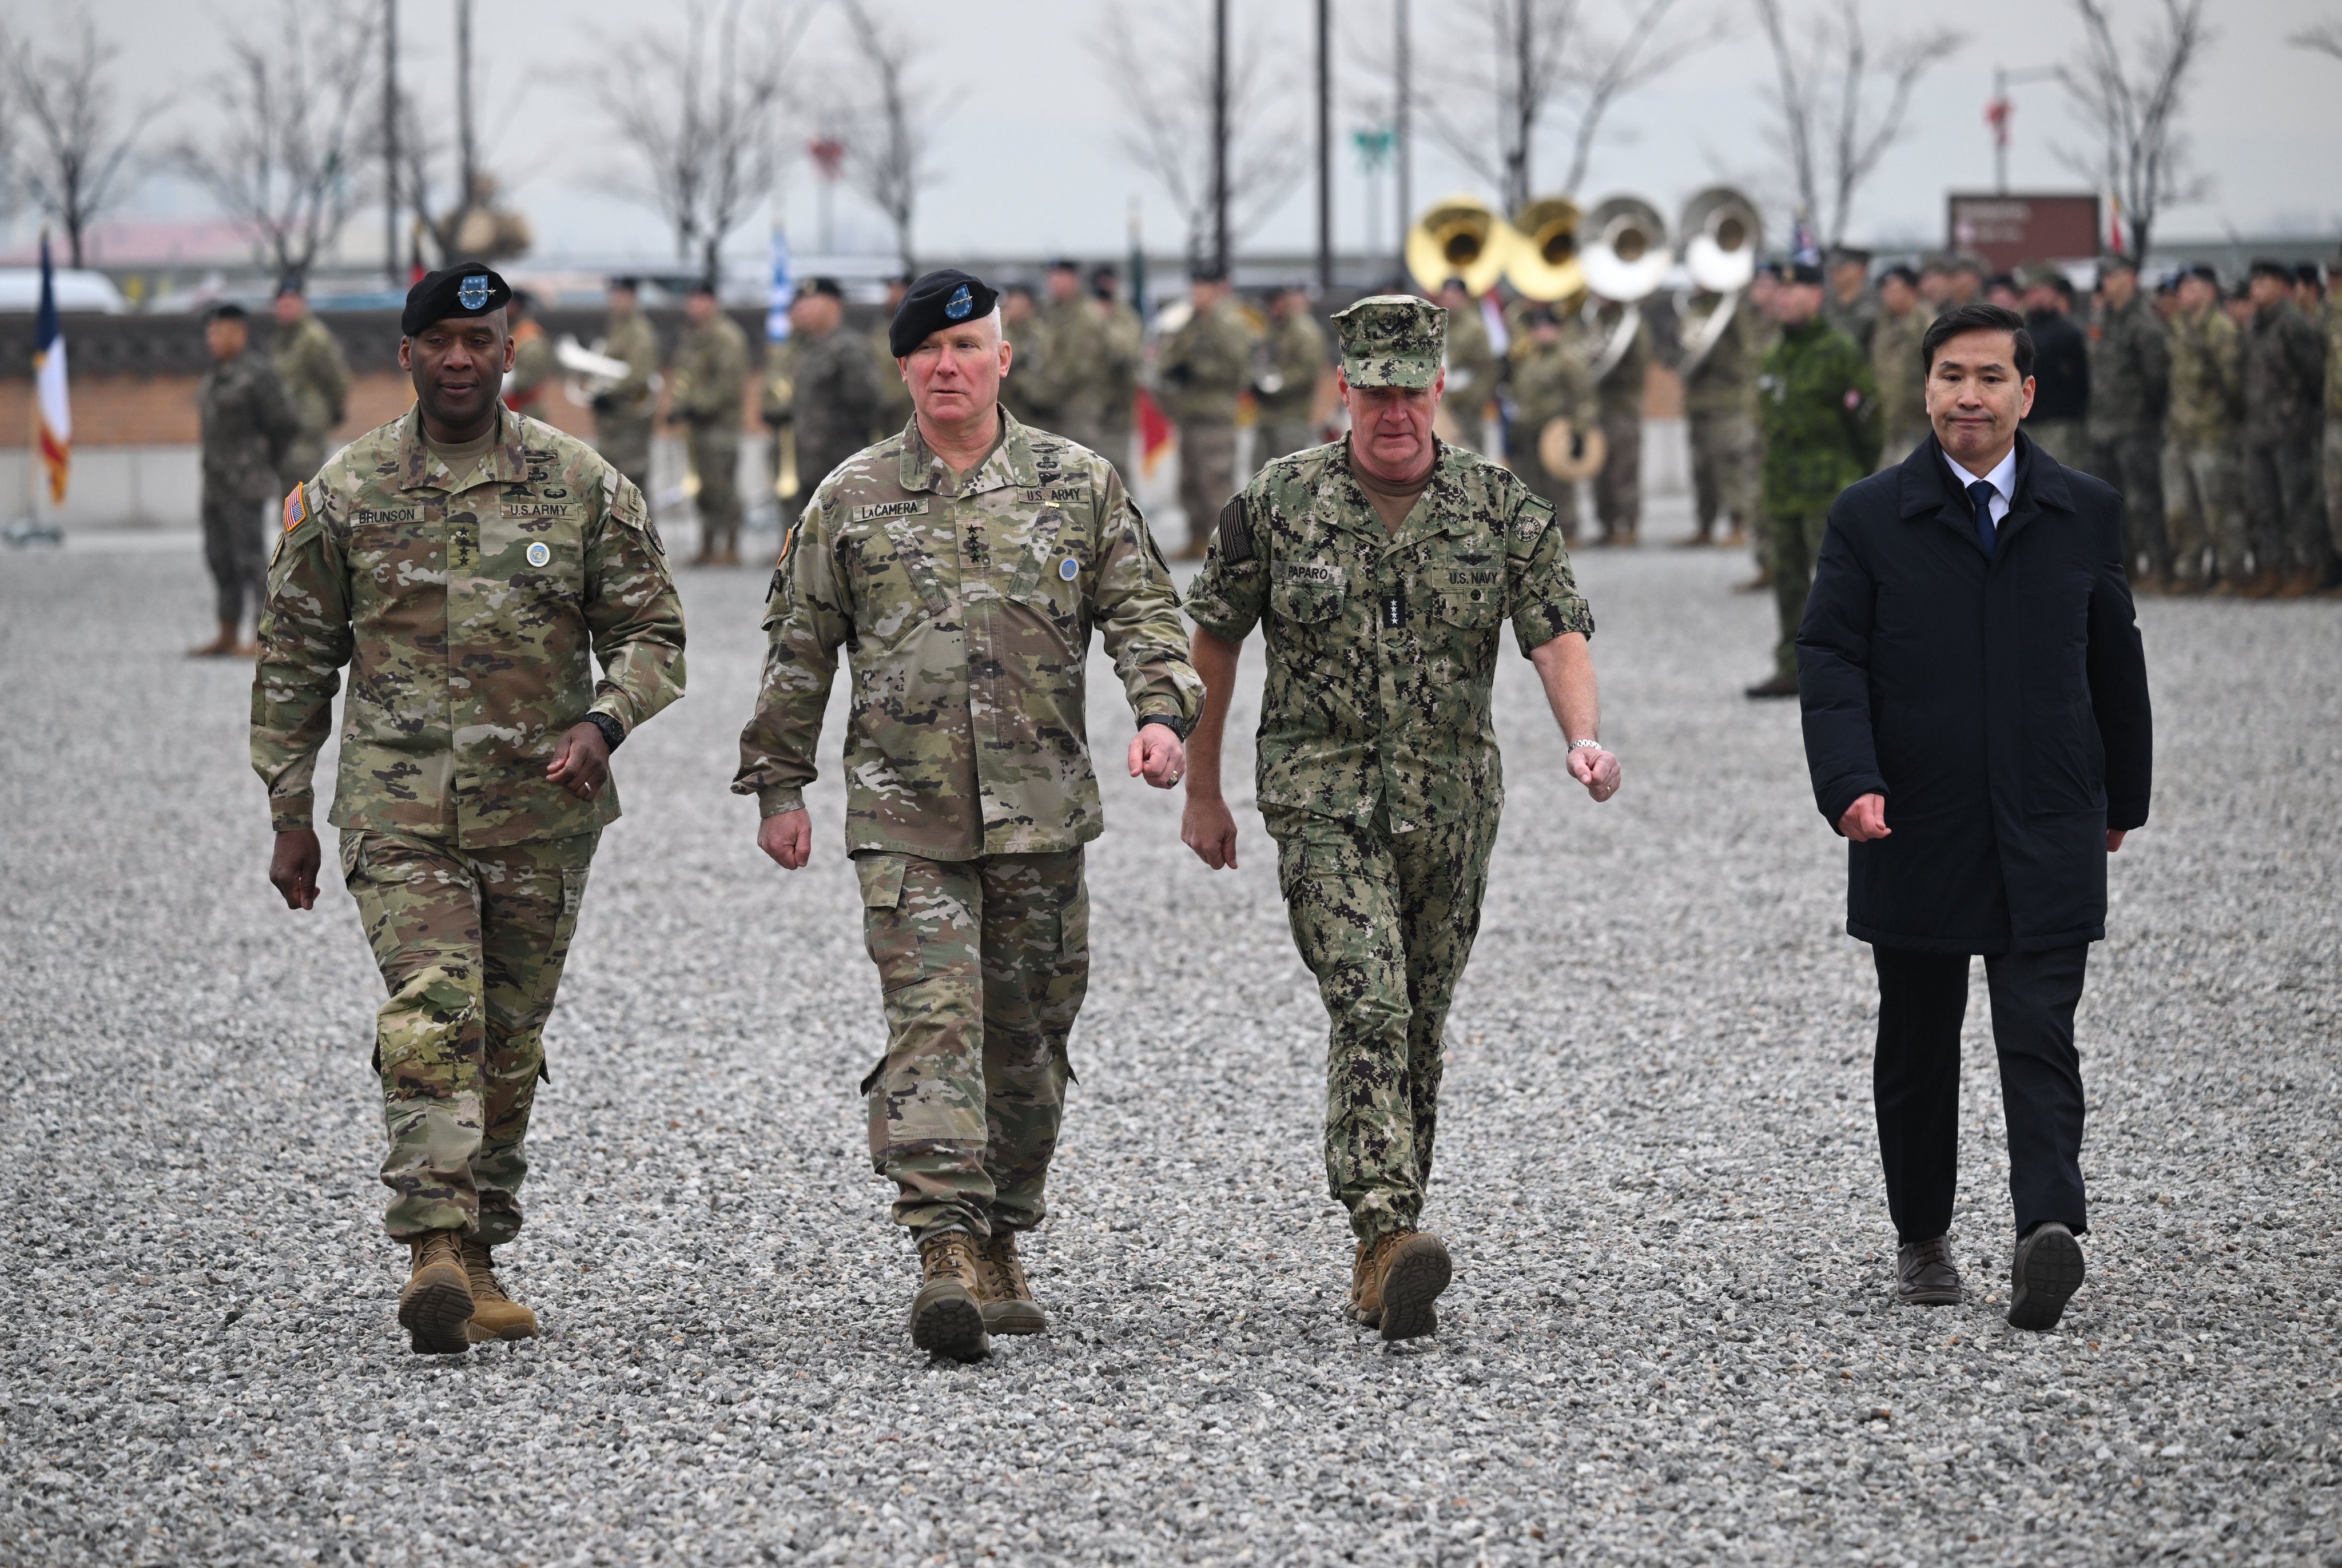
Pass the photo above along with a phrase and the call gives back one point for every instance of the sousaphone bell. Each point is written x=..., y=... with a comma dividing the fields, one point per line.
x=1544, y=264
x=1623, y=250
x=1462, y=236
x=1722, y=237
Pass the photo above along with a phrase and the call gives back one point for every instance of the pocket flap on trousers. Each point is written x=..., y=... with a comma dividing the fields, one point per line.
x=882, y=880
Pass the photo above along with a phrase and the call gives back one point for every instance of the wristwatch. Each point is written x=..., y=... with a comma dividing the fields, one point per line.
x=613, y=732
x=1169, y=722
x=1581, y=745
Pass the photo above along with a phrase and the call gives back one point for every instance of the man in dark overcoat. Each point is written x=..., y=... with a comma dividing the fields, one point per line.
x=1977, y=724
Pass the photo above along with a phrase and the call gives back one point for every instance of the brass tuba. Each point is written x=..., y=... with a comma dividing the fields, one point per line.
x=1625, y=250
x=1544, y=264
x=1722, y=234
x=1460, y=237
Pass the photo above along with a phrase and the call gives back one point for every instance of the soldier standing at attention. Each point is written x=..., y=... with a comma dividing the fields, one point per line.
x=1125, y=351
x=532, y=365
x=2061, y=367
x=2332, y=446
x=963, y=561
x=1550, y=382
x=1296, y=359
x=468, y=563
x=886, y=377
x=1380, y=570
x=834, y=399
x=1203, y=374
x=309, y=360
x=1618, y=349
x=1026, y=395
x=1071, y=383
x=1849, y=305
x=2130, y=387
x=1471, y=365
x=1894, y=363
x=248, y=425
x=711, y=379
x=2201, y=484
x=2285, y=398
x=1820, y=409
x=1721, y=351
x=623, y=414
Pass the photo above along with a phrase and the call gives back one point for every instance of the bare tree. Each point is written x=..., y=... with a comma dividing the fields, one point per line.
x=80, y=147
x=2135, y=106
x=281, y=161
x=2324, y=38
x=1164, y=82
x=1549, y=60
x=886, y=144
x=1833, y=127
x=701, y=113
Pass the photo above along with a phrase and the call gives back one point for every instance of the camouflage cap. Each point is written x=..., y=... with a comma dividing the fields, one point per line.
x=1391, y=340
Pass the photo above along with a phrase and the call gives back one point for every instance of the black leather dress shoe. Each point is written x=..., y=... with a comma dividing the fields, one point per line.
x=1925, y=1274
x=2047, y=1272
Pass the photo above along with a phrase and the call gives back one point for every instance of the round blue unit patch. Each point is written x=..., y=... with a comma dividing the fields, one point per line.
x=1069, y=568
x=538, y=554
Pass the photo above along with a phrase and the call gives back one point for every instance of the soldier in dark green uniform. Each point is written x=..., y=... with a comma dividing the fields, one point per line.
x=470, y=565
x=309, y=360
x=2130, y=389
x=1381, y=570
x=1819, y=406
x=248, y=425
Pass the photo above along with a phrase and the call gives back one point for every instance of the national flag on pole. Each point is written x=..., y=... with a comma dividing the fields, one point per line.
x=1156, y=433
x=2115, y=246
x=1803, y=247
x=54, y=406
x=777, y=304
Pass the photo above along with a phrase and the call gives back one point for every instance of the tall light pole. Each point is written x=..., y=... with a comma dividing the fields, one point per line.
x=1220, y=136
x=1403, y=138
x=390, y=143
x=1324, y=144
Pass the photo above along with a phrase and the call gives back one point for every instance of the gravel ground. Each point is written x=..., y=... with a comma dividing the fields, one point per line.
x=1668, y=1341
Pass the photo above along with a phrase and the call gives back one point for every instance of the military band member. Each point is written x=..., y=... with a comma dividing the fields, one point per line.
x=1722, y=346
x=1550, y=382
x=1201, y=377
x=963, y=562
x=247, y=424
x=1472, y=369
x=1618, y=347
x=623, y=414
x=1072, y=384
x=534, y=368
x=1284, y=397
x=469, y=564
x=1380, y=570
x=316, y=376
x=711, y=381
x=1125, y=351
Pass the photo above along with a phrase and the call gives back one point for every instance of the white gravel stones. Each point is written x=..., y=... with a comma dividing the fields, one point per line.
x=1668, y=1341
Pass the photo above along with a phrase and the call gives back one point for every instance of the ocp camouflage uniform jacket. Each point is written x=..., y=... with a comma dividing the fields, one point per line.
x=967, y=605
x=1821, y=411
x=1206, y=367
x=1297, y=351
x=2130, y=373
x=317, y=377
x=466, y=607
x=632, y=339
x=1894, y=345
x=1382, y=646
x=247, y=422
x=711, y=376
x=2208, y=388
x=1472, y=372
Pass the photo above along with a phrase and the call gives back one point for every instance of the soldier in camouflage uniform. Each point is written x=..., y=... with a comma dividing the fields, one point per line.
x=309, y=361
x=2285, y=397
x=1026, y=394
x=1284, y=397
x=535, y=369
x=1472, y=369
x=623, y=414
x=1821, y=411
x=1073, y=382
x=2203, y=516
x=1125, y=351
x=2130, y=385
x=1550, y=382
x=467, y=564
x=1720, y=354
x=711, y=379
x=963, y=562
x=248, y=425
x=893, y=405
x=833, y=399
x=1201, y=377
x=1381, y=570
x=2332, y=452
x=1896, y=336
x=1618, y=350
x=1850, y=305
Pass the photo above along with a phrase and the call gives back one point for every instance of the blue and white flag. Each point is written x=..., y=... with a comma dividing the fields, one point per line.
x=777, y=309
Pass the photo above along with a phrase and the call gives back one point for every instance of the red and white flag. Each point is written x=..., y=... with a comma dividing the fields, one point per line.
x=53, y=406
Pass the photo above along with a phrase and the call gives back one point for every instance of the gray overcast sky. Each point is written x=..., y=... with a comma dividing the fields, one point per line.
x=1028, y=156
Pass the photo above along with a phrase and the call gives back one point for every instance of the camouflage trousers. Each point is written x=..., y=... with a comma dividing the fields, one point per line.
x=983, y=964
x=2285, y=515
x=1386, y=922
x=2201, y=512
x=2132, y=462
x=1796, y=545
x=1618, y=488
x=235, y=549
x=1723, y=468
x=716, y=459
x=1207, y=477
x=471, y=944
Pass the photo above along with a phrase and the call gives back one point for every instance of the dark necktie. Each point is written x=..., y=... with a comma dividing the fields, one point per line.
x=1982, y=493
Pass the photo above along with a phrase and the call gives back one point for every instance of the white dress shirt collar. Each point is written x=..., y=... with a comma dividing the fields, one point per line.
x=2003, y=480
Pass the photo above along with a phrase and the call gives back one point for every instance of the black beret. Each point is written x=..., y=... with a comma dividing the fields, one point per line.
x=1065, y=263
x=1803, y=272
x=2307, y=272
x=629, y=284
x=1902, y=274
x=227, y=310
x=2205, y=271
x=944, y=297
x=291, y=283
x=825, y=286
x=2274, y=268
x=465, y=289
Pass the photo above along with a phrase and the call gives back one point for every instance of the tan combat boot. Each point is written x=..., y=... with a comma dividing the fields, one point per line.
x=1006, y=1297
x=495, y=1316
x=1365, y=1308
x=1410, y=1269
x=946, y=1315
x=438, y=1301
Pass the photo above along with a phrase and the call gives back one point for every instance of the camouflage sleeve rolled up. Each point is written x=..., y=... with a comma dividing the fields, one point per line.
x=305, y=640
x=1229, y=594
x=631, y=610
x=1136, y=611
x=807, y=618
x=1545, y=597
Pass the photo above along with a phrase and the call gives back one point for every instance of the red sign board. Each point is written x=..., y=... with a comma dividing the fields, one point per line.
x=2010, y=230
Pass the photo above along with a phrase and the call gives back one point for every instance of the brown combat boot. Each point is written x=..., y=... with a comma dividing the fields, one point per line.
x=438, y=1301
x=1410, y=1269
x=948, y=1315
x=1002, y=1290
x=219, y=647
x=2297, y=584
x=1365, y=1308
x=495, y=1316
